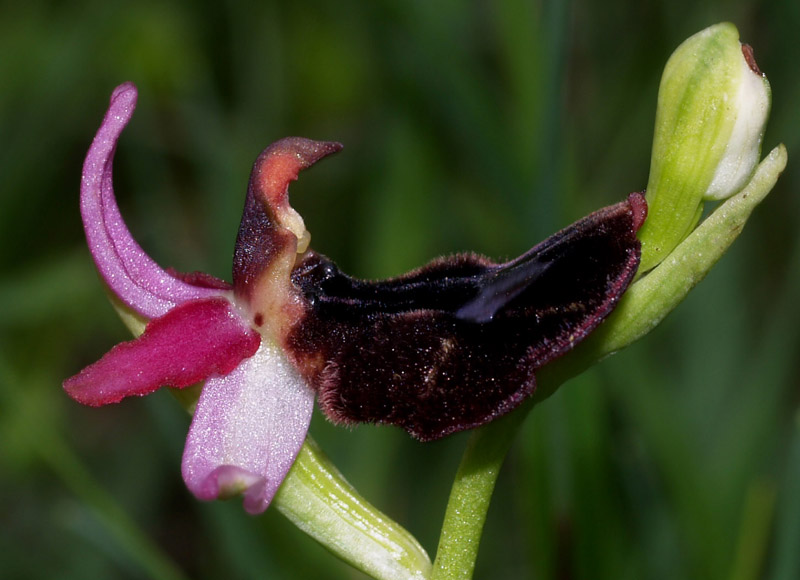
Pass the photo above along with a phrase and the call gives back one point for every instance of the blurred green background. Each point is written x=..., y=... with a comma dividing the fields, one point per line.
x=468, y=126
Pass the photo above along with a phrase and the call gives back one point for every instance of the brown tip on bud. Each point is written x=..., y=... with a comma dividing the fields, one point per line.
x=638, y=208
x=750, y=58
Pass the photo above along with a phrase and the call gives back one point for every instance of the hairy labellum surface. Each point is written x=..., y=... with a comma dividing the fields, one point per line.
x=457, y=343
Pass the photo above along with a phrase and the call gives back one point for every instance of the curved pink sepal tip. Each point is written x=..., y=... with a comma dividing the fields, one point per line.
x=188, y=344
x=129, y=272
x=247, y=430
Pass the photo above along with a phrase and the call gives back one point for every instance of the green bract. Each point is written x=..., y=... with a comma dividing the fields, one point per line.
x=319, y=501
x=713, y=104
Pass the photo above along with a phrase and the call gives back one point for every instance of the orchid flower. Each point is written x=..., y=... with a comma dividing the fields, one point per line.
x=448, y=347
x=254, y=409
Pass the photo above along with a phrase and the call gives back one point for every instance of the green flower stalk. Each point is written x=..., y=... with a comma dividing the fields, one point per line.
x=713, y=104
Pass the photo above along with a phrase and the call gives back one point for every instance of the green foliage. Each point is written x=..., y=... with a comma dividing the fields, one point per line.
x=482, y=126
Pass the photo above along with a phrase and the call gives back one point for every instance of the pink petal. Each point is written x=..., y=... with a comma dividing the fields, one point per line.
x=188, y=344
x=247, y=430
x=130, y=273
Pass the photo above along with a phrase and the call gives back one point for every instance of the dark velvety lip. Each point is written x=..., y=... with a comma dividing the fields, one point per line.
x=456, y=343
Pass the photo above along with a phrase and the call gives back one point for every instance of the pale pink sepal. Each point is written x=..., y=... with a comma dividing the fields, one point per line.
x=129, y=272
x=247, y=430
x=191, y=342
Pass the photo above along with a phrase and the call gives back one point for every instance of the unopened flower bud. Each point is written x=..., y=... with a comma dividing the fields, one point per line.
x=713, y=104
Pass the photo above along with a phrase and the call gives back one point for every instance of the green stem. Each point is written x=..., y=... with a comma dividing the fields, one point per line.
x=470, y=496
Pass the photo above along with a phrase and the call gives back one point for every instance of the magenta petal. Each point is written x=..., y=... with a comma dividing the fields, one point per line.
x=130, y=273
x=247, y=430
x=188, y=344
